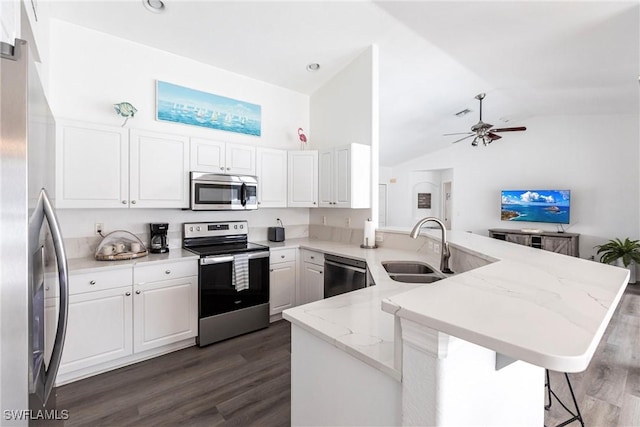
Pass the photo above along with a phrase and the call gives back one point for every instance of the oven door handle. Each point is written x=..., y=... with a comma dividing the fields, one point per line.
x=216, y=260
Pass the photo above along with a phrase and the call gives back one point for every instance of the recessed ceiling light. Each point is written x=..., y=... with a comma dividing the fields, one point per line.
x=156, y=6
x=314, y=66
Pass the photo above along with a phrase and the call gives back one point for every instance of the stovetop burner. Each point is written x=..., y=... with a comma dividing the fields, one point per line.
x=228, y=248
x=218, y=238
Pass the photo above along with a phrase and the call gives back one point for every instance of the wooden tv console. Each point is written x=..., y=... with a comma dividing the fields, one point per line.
x=562, y=243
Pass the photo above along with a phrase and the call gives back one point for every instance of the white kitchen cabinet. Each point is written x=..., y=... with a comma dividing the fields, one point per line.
x=282, y=280
x=100, y=320
x=220, y=157
x=92, y=166
x=110, y=167
x=302, y=179
x=271, y=170
x=311, y=287
x=9, y=21
x=345, y=177
x=165, y=308
x=99, y=328
x=159, y=173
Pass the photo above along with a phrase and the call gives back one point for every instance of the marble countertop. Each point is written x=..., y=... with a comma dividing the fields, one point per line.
x=547, y=309
x=89, y=264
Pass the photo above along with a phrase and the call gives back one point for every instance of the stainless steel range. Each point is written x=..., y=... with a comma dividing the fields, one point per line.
x=233, y=282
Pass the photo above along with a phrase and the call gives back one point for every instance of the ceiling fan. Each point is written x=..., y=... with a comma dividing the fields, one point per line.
x=483, y=132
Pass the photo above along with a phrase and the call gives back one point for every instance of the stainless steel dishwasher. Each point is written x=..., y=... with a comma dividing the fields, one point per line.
x=343, y=275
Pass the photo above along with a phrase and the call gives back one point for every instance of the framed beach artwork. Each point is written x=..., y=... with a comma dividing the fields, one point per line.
x=180, y=104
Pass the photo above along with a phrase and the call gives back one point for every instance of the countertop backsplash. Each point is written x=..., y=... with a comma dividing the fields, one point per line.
x=82, y=247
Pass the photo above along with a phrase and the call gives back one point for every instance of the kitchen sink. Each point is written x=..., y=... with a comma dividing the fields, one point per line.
x=407, y=267
x=416, y=278
x=412, y=272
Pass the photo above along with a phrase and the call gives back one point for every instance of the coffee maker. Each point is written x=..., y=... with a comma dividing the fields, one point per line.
x=159, y=242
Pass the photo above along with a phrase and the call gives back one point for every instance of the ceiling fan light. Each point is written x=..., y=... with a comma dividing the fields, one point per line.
x=474, y=143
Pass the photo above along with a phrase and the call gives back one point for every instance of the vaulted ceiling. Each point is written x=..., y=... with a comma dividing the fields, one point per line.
x=531, y=58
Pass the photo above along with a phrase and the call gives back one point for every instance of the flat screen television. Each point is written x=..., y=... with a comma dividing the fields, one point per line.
x=550, y=206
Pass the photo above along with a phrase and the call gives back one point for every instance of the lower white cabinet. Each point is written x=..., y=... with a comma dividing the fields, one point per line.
x=117, y=315
x=311, y=285
x=99, y=328
x=282, y=280
x=165, y=312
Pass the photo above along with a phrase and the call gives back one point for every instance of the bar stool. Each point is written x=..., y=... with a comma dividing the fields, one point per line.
x=574, y=417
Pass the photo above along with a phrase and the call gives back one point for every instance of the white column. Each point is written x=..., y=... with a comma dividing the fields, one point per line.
x=450, y=382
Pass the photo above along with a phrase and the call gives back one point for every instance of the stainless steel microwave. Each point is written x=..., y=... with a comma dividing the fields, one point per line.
x=217, y=192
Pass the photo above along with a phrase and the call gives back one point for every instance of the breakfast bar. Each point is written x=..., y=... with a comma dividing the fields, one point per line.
x=469, y=349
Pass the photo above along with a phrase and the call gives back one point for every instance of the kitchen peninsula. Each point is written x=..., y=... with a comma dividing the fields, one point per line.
x=469, y=349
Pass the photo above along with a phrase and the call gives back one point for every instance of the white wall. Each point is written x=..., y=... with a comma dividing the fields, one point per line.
x=596, y=157
x=90, y=71
x=345, y=110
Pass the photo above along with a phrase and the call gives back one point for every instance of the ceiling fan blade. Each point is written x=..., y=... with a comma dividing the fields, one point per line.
x=462, y=139
x=493, y=136
x=459, y=133
x=516, y=129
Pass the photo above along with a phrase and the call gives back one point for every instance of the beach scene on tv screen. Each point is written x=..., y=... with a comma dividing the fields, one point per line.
x=536, y=206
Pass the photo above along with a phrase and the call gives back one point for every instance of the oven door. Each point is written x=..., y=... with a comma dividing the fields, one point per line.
x=223, y=192
x=218, y=293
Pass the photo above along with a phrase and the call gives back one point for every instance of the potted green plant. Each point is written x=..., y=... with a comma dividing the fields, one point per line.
x=626, y=253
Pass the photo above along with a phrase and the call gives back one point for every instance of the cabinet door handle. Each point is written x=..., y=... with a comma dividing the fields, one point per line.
x=228, y=169
x=133, y=202
x=124, y=202
x=314, y=203
x=281, y=256
x=93, y=282
x=167, y=272
x=128, y=294
x=221, y=168
x=271, y=270
x=137, y=292
x=312, y=257
x=319, y=272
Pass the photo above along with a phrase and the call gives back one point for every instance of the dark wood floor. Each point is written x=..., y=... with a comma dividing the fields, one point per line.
x=246, y=381
x=239, y=382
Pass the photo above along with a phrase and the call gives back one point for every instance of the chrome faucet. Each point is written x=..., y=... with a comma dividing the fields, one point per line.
x=445, y=254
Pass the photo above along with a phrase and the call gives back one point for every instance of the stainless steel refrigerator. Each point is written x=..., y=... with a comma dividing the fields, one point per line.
x=31, y=245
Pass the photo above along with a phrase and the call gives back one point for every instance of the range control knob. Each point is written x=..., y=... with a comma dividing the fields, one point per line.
x=235, y=226
x=241, y=227
x=198, y=228
x=190, y=228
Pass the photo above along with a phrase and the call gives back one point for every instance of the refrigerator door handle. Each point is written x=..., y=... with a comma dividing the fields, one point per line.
x=63, y=280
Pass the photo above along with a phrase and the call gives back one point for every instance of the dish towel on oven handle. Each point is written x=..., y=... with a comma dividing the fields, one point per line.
x=241, y=272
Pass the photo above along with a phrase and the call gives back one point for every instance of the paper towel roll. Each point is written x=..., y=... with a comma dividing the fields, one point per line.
x=369, y=233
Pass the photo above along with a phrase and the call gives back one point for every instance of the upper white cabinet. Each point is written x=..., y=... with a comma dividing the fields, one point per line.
x=109, y=167
x=92, y=166
x=271, y=170
x=221, y=157
x=303, y=179
x=159, y=174
x=345, y=177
